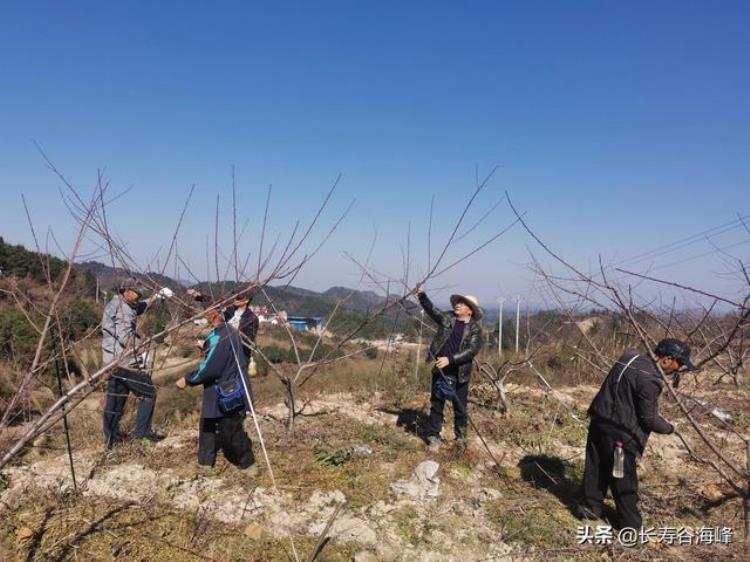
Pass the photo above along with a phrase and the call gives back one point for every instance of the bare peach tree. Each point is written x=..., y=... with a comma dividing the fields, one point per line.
x=713, y=336
x=91, y=216
x=395, y=292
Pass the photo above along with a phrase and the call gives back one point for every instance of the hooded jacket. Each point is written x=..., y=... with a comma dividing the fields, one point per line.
x=627, y=404
x=470, y=345
x=223, y=359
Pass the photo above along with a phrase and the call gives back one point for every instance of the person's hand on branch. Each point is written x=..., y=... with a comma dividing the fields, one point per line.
x=442, y=362
x=196, y=295
x=180, y=383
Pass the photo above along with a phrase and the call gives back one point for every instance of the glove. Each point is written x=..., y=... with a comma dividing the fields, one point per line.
x=165, y=293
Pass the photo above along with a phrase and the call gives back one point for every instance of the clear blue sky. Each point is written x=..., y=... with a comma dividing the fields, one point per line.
x=618, y=126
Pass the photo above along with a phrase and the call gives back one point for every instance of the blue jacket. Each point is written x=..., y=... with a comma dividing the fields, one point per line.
x=223, y=354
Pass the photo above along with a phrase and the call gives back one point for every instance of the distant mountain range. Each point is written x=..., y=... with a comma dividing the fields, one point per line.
x=354, y=304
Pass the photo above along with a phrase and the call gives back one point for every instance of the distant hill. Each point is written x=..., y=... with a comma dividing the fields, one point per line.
x=358, y=300
x=110, y=277
x=295, y=300
x=17, y=261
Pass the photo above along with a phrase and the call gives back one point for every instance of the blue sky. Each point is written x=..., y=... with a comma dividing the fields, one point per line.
x=618, y=127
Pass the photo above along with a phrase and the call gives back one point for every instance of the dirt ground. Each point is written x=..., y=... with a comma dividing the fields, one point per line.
x=508, y=496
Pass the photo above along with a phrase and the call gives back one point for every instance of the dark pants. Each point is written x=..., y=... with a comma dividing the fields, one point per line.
x=460, y=402
x=597, y=477
x=120, y=384
x=227, y=434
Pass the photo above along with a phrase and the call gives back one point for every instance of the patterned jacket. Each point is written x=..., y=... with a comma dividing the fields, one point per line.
x=119, y=335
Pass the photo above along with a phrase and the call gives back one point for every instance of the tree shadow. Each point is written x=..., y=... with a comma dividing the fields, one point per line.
x=411, y=420
x=559, y=477
x=92, y=528
x=36, y=538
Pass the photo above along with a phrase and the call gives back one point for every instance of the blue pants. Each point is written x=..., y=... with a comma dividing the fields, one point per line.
x=120, y=384
x=460, y=402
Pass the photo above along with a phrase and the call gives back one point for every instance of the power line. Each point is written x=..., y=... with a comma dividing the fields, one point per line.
x=704, y=254
x=684, y=242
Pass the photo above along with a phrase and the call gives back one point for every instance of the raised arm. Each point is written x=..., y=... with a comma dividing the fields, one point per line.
x=437, y=315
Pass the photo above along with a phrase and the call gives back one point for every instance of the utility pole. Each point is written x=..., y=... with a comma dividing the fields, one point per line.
x=518, y=318
x=500, y=301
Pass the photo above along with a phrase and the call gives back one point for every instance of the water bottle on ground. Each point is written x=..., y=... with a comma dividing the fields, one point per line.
x=618, y=467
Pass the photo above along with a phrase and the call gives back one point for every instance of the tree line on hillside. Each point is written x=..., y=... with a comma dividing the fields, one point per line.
x=16, y=261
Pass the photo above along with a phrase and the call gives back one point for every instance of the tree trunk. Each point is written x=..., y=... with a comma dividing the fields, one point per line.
x=290, y=403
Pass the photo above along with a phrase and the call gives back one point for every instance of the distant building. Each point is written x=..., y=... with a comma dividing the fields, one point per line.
x=306, y=323
x=267, y=315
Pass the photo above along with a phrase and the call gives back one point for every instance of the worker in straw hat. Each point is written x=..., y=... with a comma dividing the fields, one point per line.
x=457, y=341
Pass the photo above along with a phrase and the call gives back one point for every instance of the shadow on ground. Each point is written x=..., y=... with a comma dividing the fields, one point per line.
x=412, y=421
x=559, y=477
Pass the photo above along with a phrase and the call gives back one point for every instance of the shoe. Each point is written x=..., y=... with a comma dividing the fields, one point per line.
x=155, y=437
x=433, y=443
x=116, y=439
x=462, y=443
x=253, y=470
x=152, y=437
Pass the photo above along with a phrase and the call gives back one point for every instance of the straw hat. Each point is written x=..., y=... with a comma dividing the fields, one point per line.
x=471, y=301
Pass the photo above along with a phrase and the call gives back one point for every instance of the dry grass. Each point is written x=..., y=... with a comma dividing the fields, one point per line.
x=537, y=482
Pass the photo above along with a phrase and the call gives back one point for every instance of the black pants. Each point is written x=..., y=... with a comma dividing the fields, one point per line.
x=120, y=384
x=227, y=434
x=460, y=402
x=597, y=478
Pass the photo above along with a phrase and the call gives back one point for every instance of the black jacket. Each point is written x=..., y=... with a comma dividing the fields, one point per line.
x=248, y=327
x=222, y=361
x=471, y=342
x=627, y=404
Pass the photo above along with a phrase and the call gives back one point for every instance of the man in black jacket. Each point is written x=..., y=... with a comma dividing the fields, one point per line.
x=240, y=316
x=457, y=341
x=218, y=429
x=625, y=410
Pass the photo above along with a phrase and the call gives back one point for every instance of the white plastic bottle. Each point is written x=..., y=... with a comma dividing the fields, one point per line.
x=618, y=467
